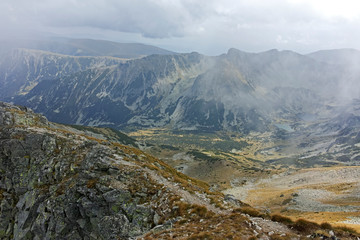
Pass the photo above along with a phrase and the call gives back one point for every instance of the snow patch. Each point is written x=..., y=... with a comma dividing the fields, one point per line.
x=102, y=94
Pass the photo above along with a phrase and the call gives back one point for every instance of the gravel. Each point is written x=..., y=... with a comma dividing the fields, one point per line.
x=308, y=200
x=353, y=220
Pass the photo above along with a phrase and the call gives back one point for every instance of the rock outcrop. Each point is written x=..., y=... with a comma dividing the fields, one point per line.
x=58, y=184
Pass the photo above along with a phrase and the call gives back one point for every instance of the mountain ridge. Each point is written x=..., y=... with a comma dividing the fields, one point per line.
x=163, y=89
x=22, y=69
x=84, y=47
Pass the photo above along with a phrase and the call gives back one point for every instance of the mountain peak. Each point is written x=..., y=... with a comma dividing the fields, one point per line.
x=233, y=51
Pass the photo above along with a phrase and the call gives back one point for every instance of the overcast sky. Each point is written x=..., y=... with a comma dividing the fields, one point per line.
x=206, y=26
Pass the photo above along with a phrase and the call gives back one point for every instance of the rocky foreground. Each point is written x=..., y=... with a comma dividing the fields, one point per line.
x=59, y=182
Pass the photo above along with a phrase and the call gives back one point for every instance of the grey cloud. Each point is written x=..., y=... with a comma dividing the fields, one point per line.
x=208, y=26
x=154, y=19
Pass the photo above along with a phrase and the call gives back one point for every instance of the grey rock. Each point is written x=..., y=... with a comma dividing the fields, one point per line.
x=112, y=227
x=156, y=218
x=232, y=200
x=55, y=186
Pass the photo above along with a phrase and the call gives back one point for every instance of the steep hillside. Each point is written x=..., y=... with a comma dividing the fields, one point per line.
x=22, y=69
x=58, y=181
x=118, y=95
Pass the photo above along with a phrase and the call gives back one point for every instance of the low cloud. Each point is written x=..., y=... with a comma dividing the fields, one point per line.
x=207, y=26
x=152, y=19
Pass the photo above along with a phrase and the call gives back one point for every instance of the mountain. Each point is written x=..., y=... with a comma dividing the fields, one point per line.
x=84, y=47
x=237, y=91
x=346, y=56
x=22, y=69
x=270, y=92
x=66, y=182
x=349, y=60
x=296, y=102
x=119, y=92
x=230, y=120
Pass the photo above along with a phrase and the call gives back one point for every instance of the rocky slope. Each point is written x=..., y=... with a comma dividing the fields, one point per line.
x=59, y=182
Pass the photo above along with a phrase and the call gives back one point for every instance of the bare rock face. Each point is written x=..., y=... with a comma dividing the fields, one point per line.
x=56, y=184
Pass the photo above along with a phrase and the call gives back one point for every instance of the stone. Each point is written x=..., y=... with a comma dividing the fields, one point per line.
x=156, y=218
x=232, y=200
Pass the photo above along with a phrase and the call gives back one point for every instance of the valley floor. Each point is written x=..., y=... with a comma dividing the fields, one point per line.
x=319, y=194
x=301, y=182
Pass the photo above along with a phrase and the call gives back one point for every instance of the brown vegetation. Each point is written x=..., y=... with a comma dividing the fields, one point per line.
x=326, y=225
x=92, y=182
x=231, y=226
x=305, y=226
x=250, y=211
x=281, y=219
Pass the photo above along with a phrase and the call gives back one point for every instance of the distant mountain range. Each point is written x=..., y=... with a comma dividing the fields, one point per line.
x=236, y=91
x=23, y=69
x=84, y=47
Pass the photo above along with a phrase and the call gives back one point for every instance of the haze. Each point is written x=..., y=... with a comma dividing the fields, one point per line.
x=207, y=26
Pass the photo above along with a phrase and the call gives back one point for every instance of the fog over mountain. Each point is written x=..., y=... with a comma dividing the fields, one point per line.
x=235, y=91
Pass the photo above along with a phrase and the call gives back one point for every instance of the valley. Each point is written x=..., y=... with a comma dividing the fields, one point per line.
x=276, y=130
x=299, y=174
